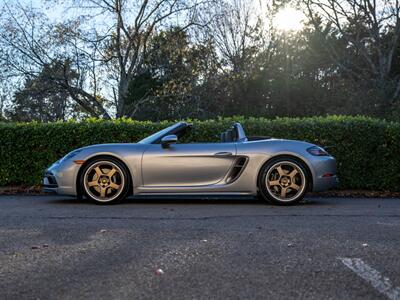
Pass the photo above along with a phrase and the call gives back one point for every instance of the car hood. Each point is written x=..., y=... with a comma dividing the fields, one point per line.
x=113, y=148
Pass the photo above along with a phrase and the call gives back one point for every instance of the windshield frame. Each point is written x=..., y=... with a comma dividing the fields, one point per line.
x=156, y=137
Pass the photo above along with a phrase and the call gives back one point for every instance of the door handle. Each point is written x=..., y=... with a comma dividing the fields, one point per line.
x=223, y=154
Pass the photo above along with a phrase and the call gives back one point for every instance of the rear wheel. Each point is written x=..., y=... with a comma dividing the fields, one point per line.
x=105, y=180
x=283, y=181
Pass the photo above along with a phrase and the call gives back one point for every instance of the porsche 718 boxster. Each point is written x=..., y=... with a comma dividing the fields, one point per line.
x=279, y=171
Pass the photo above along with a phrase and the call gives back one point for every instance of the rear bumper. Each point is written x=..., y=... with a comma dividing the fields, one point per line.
x=324, y=177
x=324, y=184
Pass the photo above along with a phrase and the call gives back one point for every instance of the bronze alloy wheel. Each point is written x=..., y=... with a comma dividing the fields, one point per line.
x=285, y=181
x=104, y=181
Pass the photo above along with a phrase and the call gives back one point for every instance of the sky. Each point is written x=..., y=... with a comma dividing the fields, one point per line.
x=52, y=11
x=58, y=11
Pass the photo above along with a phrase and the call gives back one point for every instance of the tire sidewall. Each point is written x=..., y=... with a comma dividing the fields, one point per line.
x=263, y=190
x=125, y=173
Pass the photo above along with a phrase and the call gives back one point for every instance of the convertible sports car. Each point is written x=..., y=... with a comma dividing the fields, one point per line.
x=280, y=171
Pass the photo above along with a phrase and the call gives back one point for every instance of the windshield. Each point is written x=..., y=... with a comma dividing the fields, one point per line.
x=155, y=136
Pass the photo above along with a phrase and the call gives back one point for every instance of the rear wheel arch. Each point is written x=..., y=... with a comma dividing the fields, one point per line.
x=296, y=158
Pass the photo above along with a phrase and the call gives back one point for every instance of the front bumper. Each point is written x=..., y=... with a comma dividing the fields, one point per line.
x=61, y=178
x=49, y=182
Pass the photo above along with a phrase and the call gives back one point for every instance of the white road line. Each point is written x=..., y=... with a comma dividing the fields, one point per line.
x=377, y=280
x=388, y=224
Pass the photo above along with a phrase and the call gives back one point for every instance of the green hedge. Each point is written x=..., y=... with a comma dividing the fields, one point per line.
x=367, y=150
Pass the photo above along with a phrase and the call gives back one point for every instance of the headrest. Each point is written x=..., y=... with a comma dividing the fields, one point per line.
x=223, y=137
x=230, y=135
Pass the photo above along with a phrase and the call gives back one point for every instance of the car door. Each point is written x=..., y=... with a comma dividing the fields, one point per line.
x=187, y=164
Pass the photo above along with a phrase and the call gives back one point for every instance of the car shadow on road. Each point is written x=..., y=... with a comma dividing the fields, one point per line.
x=173, y=200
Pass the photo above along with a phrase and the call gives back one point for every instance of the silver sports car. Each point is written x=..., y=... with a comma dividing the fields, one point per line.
x=280, y=171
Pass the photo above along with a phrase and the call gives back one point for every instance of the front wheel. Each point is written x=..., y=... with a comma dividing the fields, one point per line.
x=283, y=181
x=105, y=180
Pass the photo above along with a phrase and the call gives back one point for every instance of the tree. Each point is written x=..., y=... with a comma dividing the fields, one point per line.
x=370, y=30
x=174, y=72
x=41, y=100
x=106, y=58
x=240, y=33
x=173, y=59
x=29, y=42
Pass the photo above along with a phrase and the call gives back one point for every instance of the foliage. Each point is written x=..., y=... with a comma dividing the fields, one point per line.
x=158, y=59
x=40, y=99
x=366, y=149
x=173, y=74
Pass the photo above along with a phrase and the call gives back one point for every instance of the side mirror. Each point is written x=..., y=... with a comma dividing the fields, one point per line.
x=166, y=141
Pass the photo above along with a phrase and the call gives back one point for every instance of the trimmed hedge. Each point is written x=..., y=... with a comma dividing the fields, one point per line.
x=367, y=150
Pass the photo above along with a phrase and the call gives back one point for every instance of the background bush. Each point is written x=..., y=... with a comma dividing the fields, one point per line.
x=367, y=150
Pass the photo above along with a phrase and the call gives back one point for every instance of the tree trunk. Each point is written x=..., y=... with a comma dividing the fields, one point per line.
x=122, y=94
x=88, y=102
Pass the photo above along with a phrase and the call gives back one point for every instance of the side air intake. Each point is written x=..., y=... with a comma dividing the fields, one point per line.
x=237, y=169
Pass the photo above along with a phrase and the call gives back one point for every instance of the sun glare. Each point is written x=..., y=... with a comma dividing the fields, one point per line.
x=289, y=19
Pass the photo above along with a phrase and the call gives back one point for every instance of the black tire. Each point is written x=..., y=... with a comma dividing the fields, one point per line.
x=120, y=179
x=283, y=186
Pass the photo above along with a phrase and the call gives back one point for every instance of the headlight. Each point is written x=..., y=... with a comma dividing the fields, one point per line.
x=317, y=151
x=70, y=155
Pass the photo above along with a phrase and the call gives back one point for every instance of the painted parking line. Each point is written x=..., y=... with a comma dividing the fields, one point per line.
x=381, y=283
x=388, y=224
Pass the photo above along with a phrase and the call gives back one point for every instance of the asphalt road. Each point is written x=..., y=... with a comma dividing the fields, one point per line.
x=326, y=248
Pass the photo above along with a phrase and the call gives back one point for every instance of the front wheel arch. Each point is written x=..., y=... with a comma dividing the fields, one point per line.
x=79, y=191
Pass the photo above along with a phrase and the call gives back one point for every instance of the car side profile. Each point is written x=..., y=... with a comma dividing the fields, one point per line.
x=279, y=171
